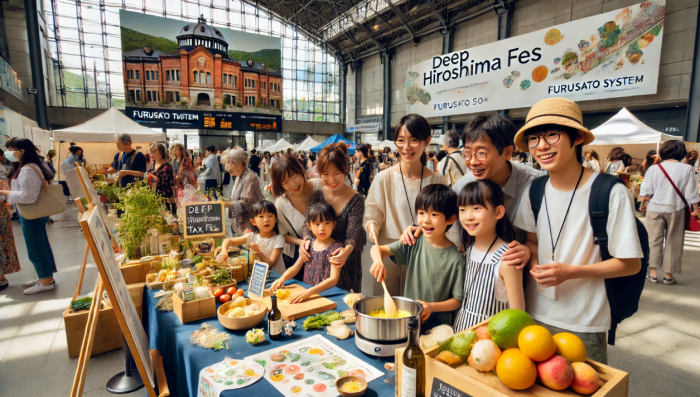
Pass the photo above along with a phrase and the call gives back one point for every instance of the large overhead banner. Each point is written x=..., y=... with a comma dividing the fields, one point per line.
x=180, y=74
x=616, y=54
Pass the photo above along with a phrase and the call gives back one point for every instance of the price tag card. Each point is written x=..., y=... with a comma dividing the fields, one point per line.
x=443, y=389
x=258, y=279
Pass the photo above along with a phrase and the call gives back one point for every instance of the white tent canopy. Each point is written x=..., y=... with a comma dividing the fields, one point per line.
x=627, y=131
x=103, y=128
x=307, y=145
x=279, y=146
x=387, y=143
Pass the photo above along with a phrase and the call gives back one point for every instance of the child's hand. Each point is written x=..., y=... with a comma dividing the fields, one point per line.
x=299, y=296
x=339, y=257
x=427, y=310
x=409, y=236
x=378, y=271
x=254, y=247
x=223, y=257
x=279, y=283
x=304, y=250
x=517, y=255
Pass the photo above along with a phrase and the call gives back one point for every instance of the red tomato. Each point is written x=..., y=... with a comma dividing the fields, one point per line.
x=218, y=292
x=231, y=291
x=224, y=298
x=240, y=292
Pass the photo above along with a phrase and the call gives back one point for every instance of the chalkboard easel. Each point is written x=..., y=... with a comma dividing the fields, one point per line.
x=204, y=219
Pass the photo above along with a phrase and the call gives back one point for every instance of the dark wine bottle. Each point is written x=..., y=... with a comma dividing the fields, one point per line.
x=413, y=369
x=274, y=321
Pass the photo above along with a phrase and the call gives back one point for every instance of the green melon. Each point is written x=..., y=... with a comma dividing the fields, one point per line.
x=505, y=327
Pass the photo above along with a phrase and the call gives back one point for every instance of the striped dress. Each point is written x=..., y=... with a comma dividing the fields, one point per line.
x=484, y=290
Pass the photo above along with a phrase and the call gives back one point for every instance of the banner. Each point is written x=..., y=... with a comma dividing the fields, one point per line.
x=192, y=119
x=611, y=55
x=185, y=69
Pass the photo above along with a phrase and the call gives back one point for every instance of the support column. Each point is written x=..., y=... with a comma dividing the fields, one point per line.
x=388, y=133
x=358, y=96
x=692, y=118
x=447, y=45
x=36, y=60
x=343, y=95
x=504, y=9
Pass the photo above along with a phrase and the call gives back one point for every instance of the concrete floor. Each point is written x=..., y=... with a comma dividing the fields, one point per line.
x=658, y=346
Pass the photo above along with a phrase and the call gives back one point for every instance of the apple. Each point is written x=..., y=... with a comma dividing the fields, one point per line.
x=555, y=373
x=585, y=380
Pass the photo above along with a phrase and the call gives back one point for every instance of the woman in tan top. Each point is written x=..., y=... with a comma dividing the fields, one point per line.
x=390, y=203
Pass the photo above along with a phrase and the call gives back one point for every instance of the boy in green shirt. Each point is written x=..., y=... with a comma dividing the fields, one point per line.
x=435, y=275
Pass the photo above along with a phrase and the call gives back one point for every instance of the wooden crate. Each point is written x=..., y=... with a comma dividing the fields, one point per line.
x=136, y=271
x=194, y=310
x=613, y=382
x=108, y=335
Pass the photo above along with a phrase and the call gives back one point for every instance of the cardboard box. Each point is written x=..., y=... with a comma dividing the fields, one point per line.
x=194, y=310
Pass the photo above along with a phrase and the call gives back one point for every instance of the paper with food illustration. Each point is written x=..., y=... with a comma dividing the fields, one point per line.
x=310, y=367
x=228, y=375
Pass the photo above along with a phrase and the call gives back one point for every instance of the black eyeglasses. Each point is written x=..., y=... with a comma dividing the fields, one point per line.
x=551, y=137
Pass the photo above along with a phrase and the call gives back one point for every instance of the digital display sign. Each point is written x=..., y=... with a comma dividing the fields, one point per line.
x=192, y=119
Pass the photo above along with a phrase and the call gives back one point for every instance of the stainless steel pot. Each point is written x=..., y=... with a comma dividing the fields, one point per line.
x=384, y=330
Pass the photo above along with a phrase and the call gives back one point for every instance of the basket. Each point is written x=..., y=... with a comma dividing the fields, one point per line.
x=239, y=267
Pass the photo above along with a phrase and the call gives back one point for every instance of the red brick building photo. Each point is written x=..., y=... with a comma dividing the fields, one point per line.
x=200, y=75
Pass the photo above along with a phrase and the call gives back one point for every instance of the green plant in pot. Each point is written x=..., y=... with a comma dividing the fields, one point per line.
x=140, y=208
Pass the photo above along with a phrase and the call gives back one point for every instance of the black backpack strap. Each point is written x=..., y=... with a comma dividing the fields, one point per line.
x=537, y=194
x=598, y=210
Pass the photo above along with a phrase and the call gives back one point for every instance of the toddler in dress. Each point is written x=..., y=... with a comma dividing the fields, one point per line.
x=318, y=272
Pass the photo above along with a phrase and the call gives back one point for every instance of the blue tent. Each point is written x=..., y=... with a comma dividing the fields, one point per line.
x=335, y=139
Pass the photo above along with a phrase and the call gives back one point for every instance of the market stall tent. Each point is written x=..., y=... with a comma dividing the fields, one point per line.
x=93, y=135
x=279, y=146
x=387, y=143
x=335, y=139
x=306, y=145
x=625, y=130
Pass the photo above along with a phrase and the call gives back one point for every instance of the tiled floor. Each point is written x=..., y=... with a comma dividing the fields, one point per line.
x=658, y=346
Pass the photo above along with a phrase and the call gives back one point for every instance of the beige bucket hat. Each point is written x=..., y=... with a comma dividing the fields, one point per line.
x=560, y=111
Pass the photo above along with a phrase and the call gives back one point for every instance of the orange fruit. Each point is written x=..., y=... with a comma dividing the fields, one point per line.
x=536, y=342
x=516, y=370
x=570, y=347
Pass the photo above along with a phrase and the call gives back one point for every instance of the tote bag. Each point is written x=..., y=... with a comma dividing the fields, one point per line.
x=691, y=224
x=51, y=201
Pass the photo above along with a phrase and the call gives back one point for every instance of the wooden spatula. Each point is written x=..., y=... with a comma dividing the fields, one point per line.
x=389, y=304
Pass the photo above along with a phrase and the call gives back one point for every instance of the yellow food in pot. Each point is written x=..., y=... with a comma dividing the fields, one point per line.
x=382, y=314
x=350, y=387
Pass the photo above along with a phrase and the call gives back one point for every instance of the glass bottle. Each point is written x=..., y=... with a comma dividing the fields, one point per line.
x=274, y=320
x=413, y=369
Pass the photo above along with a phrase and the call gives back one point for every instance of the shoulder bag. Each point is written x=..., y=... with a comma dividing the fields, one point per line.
x=51, y=201
x=691, y=224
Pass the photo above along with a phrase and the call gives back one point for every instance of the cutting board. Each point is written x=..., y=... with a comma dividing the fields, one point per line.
x=314, y=305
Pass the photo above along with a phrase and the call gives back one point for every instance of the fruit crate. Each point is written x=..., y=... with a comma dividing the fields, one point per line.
x=467, y=380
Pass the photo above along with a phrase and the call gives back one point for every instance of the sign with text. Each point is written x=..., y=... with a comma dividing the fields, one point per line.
x=191, y=119
x=204, y=219
x=611, y=55
x=257, y=279
x=442, y=389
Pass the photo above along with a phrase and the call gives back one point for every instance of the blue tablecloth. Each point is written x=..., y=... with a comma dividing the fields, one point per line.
x=183, y=361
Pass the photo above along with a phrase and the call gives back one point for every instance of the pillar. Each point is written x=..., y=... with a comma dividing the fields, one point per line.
x=692, y=118
x=36, y=60
x=447, y=44
x=344, y=95
x=505, y=16
x=358, y=96
x=388, y=129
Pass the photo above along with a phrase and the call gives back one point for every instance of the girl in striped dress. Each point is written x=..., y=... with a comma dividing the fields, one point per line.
x=488, y=286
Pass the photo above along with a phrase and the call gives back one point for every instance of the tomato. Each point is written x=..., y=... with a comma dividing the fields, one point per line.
x=238, y=293
x=231, y=291
x=224, y=298
x=218, y=292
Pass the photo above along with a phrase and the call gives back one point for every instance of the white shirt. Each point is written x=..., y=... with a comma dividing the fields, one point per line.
x=592, y=164
x=664, y=197
x=580, y=305
x=267, y=246
x=617, y=165
x=453, y=168
x=290, y=220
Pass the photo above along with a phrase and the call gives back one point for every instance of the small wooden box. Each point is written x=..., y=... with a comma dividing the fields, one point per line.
x=108, y=335
x=613, y=382
x=136, y=271
x=194, y=310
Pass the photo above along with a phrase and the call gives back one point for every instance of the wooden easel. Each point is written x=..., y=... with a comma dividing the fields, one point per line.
x=149, y=363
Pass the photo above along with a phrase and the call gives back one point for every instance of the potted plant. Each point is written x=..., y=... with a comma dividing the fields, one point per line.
x=140, y=208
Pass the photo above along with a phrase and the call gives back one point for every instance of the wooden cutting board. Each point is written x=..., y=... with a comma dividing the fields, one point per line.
x=314, y=305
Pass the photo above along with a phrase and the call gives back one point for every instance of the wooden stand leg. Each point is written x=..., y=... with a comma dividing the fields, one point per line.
x=88, y=339
x=82, y=273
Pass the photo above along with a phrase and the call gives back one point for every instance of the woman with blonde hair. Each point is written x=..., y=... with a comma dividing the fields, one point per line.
x=592, y=162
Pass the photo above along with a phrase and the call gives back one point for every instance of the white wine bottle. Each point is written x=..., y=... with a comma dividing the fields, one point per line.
x=413, y=369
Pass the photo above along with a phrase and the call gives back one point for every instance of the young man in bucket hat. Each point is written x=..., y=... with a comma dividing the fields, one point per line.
x=565, y=288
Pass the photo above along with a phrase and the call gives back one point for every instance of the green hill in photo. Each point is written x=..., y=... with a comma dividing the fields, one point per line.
x=133, y=40
x=271, y=58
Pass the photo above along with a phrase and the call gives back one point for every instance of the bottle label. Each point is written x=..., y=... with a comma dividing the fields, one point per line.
x=275, y=327
x=408, y=382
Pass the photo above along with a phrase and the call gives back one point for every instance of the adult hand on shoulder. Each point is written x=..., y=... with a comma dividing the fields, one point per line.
x=427, y=310
x=304, y=250
x=409, y=236
x=339, y=257
x=517, y=255
x=551, y=274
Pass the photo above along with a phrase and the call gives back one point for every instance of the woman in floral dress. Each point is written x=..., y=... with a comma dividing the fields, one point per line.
x=9, y=263
x=161, y=172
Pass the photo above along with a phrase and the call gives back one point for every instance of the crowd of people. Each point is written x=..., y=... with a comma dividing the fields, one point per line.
x=452, y=229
